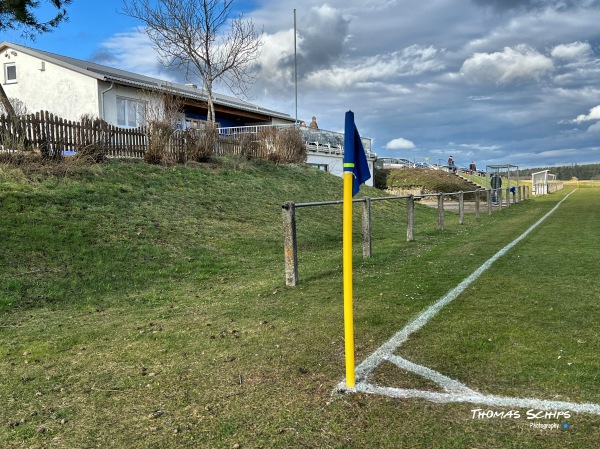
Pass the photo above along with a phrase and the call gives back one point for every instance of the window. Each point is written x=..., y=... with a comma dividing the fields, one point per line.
x=130, y=112
x=10, y=73
x=322, y=167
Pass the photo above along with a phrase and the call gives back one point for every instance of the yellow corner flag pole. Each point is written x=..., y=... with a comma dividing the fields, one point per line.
x=347, y=271
x=356, y=172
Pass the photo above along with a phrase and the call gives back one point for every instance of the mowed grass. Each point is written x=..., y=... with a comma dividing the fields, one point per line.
x=145, y=307
x=527, y=328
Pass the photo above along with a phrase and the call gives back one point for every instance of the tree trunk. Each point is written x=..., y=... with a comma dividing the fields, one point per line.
x=8, y=107
x=17, y=127
x=211, y=106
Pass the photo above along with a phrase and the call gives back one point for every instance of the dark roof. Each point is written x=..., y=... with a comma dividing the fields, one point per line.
x=123, y=77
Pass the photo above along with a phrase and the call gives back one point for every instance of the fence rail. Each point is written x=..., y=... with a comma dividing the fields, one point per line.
x=290, y=244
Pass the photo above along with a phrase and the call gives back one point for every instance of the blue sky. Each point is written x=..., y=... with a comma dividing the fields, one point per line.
x=491, y=81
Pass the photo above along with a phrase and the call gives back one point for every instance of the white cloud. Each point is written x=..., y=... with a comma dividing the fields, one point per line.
x=400, y=144
x=595, y=128
x=593, y=115
x=479, y=147
x=133, y=51
x=573, y=51
x=412, y=61
x=511, y=65
x=277, y=47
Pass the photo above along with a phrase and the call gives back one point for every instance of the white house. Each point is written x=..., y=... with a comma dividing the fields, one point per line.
x=69, y=88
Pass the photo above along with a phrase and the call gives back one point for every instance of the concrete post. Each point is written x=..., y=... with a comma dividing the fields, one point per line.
x=477, y=203
x=366, y=228
x=289, y=244
x=488, y=199
x=507, y=197
x=410, y=219
x=461, y=207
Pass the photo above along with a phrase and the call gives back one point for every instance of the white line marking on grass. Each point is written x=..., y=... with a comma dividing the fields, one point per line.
x=491, y=400
x=449, y=385
x=455, y=391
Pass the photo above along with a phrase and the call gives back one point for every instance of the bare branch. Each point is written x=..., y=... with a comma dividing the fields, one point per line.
x=192, y=36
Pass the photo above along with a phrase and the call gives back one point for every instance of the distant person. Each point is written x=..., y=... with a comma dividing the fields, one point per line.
x=313, y=123
x=496, y=184
x=303, y=124
x=472, y=168
x=451, y=166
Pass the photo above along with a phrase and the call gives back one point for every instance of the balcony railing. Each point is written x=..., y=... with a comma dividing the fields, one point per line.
x=318, y=140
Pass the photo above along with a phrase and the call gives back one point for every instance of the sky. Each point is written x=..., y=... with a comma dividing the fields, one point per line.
x=490, y=81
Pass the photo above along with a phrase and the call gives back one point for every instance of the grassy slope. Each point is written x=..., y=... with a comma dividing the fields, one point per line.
x=433, y=181
x=145, y=307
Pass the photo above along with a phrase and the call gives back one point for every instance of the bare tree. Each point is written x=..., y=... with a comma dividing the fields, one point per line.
x=192, y=36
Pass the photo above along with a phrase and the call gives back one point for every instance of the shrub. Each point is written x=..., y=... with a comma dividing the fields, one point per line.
x=248, y=144
x=380, y=178
x=282, y=145
x=200, y=143
x=159, y=137
x=95, y=139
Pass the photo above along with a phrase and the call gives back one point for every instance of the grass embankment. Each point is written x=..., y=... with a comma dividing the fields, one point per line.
x=145, y=307
x=430, y=181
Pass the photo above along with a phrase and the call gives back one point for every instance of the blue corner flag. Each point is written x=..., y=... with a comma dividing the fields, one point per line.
x=355, y=159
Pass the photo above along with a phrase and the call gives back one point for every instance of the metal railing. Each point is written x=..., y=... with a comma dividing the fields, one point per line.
x=290, y=243
x=315, y=139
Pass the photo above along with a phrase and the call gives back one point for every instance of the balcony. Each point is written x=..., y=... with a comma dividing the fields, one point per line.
x=316, y=140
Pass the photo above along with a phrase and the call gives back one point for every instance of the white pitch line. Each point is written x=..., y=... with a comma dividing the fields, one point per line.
x=491, y=400
x=456, y=392
x=449, y=385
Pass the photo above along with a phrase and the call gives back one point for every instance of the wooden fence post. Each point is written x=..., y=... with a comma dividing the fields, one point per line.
x=366, y=228
x=477, y=203
x=500, y=197
x=507, y=197
x=488, y=199
x=289, y=244
x=441, y=211
x=461, y=207
x=410, y=218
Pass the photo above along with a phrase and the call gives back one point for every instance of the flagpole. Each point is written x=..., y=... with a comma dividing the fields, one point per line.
x=349, y=166
x=356, y=172
x=347, y=271
x=295, y=67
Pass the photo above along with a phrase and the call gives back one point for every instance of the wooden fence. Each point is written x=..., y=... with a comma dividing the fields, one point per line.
x=55, y=137
x=290, y=244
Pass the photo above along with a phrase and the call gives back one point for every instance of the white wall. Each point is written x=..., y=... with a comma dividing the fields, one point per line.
x=64, y=93
x=108, y=99
x=335, y=163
